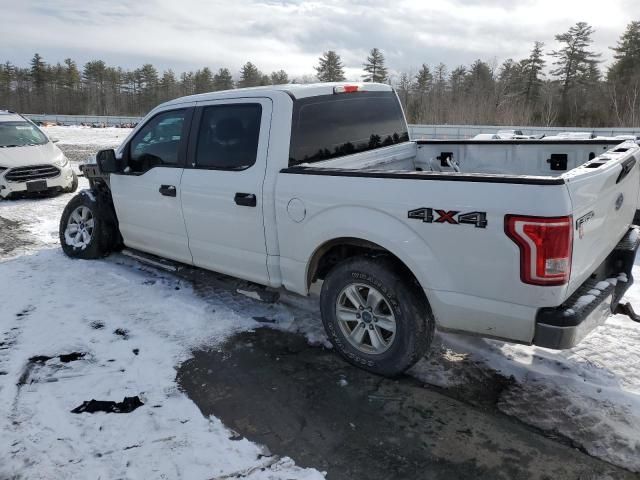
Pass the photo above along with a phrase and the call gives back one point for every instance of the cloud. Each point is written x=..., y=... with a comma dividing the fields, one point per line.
x=291, y=34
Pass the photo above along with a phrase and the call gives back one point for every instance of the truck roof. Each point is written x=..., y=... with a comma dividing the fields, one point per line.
x=296, y=90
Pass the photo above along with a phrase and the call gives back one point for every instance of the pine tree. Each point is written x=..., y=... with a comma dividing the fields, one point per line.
x=532, y=71
x=250, y=76
x=330, y=67
x=279, y=78
x=203, y=80
x=457, y=79
x=187, y=85
x=39, y=79
x=623, y=77
x=424, y=80
x=94, y=78
x=405, y=86
x=376, y=71
x=264, y=80
x=627, y=55
x=223, y=80
x=6, y=78
x=574, y=61
x=168, y=86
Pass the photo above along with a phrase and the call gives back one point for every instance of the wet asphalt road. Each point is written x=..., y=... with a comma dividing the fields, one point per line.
x=305, y=402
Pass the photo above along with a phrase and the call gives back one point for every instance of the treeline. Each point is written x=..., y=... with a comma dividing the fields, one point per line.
x=562, y=87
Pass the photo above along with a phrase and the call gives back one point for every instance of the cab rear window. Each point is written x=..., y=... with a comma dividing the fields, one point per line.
x=330, y=126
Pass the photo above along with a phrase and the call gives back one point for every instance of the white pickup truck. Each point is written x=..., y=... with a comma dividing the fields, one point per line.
x=528, y=241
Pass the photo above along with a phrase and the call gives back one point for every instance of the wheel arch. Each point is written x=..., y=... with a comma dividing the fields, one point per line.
x=333, y=251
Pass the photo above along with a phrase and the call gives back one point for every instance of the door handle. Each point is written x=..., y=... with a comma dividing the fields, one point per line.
x=246, y=199
x=167, y=190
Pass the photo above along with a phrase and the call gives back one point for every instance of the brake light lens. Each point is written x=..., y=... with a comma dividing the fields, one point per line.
x=546, y=245
x=346, y=89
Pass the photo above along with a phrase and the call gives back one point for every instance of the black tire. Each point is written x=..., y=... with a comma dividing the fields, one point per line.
x=74, y=184
x=103, y=235
x=414, y=320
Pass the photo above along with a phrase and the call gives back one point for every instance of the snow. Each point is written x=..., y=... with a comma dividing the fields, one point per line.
x=58, y=306
x=584, y=300
x=589, y=394
x=78, y=135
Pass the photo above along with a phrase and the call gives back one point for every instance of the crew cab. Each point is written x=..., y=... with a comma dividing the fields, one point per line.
x=529, y=241
x=30, y=162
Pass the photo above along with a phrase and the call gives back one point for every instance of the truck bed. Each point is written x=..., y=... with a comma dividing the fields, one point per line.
x=546, y=158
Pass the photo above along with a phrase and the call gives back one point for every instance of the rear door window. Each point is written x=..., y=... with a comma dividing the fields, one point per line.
x=330, y=126
x=228, y=136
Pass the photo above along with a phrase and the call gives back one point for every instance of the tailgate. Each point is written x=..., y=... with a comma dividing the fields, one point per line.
x=604, y=196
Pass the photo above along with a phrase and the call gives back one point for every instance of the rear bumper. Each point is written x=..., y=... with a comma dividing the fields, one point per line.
x=591, y=304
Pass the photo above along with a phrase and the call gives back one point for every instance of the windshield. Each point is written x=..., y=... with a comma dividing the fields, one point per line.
x=20, y=134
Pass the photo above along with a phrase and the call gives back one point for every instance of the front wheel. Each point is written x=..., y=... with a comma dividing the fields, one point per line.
x=86, y=229
x=375, y=315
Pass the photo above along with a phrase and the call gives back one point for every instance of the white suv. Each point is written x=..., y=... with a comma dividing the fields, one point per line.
x=29, y=160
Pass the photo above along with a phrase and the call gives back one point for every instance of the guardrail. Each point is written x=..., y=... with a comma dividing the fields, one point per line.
x=83, y=119
x=453, y=132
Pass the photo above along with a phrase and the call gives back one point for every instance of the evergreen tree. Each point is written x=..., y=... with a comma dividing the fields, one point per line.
x=627, y=55
x=223, y=80
x=424, y=80
x=38, y=72
x=39, y=79
x=330, y=67
x=203, y=80
x=376, y=71
x=576, y=66
x=148, y=84
x=250, y=76
x=404, y=88
x=94, y=77
x=168, y=86
x=623, y=77
x=265, y=80
x=532, y=71
x=187, y=85
x=6, y=78
x=279, y=78
x=574, y=61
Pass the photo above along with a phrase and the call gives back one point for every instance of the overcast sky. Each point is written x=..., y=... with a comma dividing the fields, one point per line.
x=291, y=34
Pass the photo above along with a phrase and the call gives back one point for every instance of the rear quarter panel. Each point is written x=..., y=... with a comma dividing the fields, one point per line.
x=477, y=264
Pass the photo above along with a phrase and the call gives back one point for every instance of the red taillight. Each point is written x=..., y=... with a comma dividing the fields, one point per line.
x=346, y=89
x=545, y=247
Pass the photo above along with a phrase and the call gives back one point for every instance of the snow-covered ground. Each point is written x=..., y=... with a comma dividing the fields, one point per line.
x=77, y=135
x=134, y=326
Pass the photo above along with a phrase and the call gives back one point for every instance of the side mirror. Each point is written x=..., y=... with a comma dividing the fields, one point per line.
x=55, y=140
x=107, y=161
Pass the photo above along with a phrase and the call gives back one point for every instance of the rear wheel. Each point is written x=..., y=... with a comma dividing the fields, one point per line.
x=375, y=315
x=86, y=228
